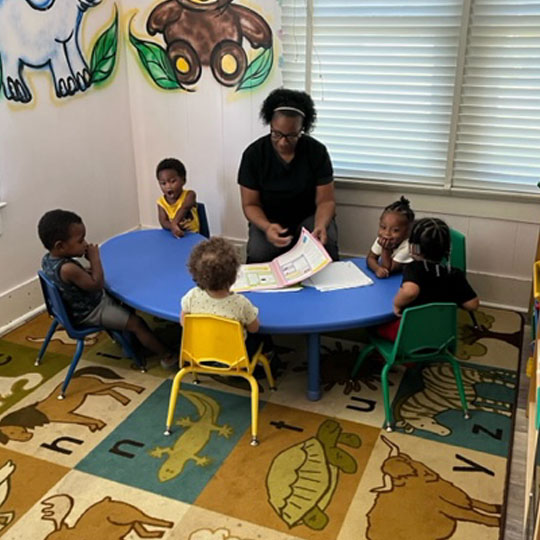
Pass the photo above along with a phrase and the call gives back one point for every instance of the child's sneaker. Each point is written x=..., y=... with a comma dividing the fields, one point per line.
x=169, y=362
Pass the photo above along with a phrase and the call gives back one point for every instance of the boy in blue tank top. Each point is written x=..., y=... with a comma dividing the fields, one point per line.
x=63, y=234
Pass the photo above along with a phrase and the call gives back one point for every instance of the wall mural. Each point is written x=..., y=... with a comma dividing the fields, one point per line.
x=45, y=34
x=201, y=33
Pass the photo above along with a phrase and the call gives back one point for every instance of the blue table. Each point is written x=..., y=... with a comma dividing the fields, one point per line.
x=147, y=270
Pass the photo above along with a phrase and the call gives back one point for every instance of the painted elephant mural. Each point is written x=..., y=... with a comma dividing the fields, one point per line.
x=201, y=33
x=45, y=35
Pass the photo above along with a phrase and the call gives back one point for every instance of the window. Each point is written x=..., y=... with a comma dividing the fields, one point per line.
x=433, y=92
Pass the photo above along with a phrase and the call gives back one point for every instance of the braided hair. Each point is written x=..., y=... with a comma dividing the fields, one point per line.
x=294, y=103
x=430, y=237
x=401, y=207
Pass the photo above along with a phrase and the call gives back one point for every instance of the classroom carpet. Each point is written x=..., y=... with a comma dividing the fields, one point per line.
x=97, y=465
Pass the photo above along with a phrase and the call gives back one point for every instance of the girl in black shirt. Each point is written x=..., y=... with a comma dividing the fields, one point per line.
x=427, y=279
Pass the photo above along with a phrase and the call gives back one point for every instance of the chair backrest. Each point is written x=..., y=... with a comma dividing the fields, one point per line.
x=54, y=303
x=207, y=338
x=458, y=252
x=204, y=229
x=431, y=327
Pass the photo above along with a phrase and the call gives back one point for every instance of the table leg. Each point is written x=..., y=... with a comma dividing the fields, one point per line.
x=314, y=388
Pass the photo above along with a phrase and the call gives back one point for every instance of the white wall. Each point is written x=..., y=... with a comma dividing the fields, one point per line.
x=96, y=154
x=207, y=129
x=502, y=233
x=74, y=153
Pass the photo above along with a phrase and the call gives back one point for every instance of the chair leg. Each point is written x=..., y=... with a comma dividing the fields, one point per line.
x=177, y=381
x=72, y=366
x=266, y=365
x=459, y=383
x=360, y=360
x=386, y=398
x=124, y=339
x=45, y=344
x=474, y=321
x=254, y=409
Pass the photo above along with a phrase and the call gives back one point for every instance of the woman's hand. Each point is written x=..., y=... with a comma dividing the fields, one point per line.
x=320, y=234
x=274, y=234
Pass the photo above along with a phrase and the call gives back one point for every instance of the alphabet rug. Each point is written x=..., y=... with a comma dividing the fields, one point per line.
x=97, y=464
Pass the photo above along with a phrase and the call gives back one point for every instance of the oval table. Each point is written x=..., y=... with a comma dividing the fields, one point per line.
x=147, y=270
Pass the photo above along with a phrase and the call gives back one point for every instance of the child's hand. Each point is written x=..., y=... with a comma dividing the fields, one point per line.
x=385, y=243
x=397, y=311
x=92, y=252
x=382, y=272
x=176, y=230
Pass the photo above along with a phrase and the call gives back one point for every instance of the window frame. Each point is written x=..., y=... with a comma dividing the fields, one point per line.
x=446, y=188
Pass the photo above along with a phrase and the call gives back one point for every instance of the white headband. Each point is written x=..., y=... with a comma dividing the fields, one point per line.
x=290, y=109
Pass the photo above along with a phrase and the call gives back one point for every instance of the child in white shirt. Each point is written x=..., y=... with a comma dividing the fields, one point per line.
x=390, y=251
x=214, y=266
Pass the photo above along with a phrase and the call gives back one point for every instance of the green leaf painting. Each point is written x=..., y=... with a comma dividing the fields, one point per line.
x=104, y=52
x=258, y=71
x=156, y=62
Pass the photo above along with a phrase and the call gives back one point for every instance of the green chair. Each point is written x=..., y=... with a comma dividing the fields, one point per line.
x=458, y=259
x=458, y=252
x=426, y=333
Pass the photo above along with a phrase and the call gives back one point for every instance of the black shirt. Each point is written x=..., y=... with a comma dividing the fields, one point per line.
x=443, y=286
x=287, y=190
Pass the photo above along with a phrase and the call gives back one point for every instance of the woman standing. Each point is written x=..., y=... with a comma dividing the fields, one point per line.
x=286, y=180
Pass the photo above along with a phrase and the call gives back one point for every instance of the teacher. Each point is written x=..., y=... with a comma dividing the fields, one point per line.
x=286, y=180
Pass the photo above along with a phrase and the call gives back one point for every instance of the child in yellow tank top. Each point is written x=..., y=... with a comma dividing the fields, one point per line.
x=177, y=207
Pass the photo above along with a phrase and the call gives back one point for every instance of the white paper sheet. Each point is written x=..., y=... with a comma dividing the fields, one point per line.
x=338, y=275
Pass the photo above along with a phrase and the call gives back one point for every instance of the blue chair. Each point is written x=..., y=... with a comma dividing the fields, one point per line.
x=204, y=229
x=57, y=310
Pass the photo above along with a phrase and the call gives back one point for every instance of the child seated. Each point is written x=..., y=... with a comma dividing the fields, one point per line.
x=87, y=303
x=177, y=207
x=214, y=266
x=426, y=279
x=391, y=248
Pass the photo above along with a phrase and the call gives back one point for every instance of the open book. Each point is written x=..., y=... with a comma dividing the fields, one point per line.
x=307, y=257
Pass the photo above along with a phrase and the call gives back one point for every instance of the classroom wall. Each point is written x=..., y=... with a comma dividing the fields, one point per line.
x=96, y=151
x=207, y=126
x=73, y=152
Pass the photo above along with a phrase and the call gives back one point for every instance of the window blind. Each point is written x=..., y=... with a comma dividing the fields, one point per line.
x=498, y=136
x=401, y=96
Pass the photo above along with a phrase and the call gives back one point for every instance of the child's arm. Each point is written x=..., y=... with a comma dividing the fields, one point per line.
x=166, y=223
x=407, y=293
x=373, y=264
x=93, y=280
x=189, y=202
x=254, y=325
x=164, y=220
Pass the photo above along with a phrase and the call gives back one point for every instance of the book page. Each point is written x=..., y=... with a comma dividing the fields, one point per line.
x=306, y=258
x=256, y=276
x=303, y=260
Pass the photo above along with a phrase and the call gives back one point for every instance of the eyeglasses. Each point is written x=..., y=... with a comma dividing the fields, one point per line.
x=291, y=137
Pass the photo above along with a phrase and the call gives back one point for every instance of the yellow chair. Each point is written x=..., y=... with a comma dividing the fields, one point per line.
x=215, y=346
